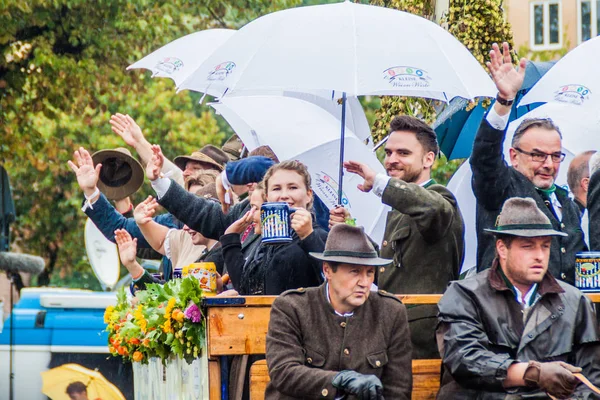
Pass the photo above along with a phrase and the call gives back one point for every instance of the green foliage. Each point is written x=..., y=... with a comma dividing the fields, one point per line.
x=62, y=74
x=477, y=24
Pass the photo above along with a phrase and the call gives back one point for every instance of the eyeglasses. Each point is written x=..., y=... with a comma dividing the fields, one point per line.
x=542, y=157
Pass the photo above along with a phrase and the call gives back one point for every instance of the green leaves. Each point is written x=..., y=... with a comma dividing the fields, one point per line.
x=62, y=74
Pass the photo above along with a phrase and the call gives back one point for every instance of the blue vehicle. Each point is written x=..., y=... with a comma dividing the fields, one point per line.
x=52, y=327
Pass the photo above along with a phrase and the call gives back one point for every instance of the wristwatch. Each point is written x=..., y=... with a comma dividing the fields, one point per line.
x=503, y=101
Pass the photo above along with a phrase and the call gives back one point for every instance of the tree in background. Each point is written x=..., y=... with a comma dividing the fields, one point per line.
x=62, y=74
x=477, y=24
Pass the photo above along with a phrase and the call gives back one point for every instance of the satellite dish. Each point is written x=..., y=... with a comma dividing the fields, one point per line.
x=103, y=255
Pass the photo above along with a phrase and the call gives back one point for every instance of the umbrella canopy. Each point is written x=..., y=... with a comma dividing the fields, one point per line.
x=574, y=79
x=456, y=126
x=178, y=59
x=579, y=127
x=346, y=47
x=56, y=380
x=300, y=130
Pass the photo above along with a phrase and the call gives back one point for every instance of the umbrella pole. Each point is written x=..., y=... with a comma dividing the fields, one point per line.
x=341, y=170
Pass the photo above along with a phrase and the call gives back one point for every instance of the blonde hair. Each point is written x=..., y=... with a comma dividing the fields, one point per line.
x=290, y=165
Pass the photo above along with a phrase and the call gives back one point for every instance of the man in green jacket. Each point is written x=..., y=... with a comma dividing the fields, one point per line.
x=424, y=230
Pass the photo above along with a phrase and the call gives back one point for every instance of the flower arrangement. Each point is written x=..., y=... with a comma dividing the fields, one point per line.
x=161, y=321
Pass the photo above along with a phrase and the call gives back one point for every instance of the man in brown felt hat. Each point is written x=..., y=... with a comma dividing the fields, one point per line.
x=513, y=328
x=208, y=157
x=340, y=340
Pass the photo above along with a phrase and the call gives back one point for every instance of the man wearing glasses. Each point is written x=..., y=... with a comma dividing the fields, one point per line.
x=535, y=158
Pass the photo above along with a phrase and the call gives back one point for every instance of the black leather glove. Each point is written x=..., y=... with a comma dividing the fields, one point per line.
x=555, y=378
x=365, y=387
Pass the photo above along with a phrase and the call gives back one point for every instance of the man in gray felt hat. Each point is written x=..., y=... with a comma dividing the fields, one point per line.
x=340, y=340
x=513, y=329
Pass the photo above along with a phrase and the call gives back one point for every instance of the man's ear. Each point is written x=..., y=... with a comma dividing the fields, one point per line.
x=501, y=249
x=513, y=157
x=327, y=271
x=585, y=184
x=251, y=186
x=428, y=159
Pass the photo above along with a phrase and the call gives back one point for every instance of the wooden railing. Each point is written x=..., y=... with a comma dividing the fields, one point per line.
x=238, y=325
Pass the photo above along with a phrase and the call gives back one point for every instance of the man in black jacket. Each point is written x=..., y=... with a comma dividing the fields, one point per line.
x=535, y=157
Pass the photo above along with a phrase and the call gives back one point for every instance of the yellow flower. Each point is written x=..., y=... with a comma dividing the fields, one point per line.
x=139, y=318
x=108, y=314
x=166, y=327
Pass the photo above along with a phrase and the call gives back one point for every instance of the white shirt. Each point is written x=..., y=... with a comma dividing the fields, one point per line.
x=527, y=300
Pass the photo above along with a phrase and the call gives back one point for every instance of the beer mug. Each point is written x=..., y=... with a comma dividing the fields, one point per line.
x=587, y=271
x=275, y=222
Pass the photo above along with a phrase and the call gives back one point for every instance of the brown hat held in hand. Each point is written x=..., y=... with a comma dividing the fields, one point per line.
x=121, y=175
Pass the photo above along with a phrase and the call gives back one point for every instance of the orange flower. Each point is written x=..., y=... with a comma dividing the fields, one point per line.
x=138, y=356
x=146, y=342
x=178, y=315
x=134, y=341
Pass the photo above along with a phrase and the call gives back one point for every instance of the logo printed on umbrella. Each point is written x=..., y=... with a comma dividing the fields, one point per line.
x=169, y=65
x=327, y=188
x=221, y=71
x=407, y=77
x=573, y=93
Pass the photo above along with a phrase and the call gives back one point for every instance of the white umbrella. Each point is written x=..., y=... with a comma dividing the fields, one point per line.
x=346, y=47
x=579, y=127
x=350, y=48
x=573, y=79
x=300, y=130
x=179, y=58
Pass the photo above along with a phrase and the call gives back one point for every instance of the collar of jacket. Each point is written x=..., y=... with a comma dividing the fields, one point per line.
x=547, y=285
x=429, y=183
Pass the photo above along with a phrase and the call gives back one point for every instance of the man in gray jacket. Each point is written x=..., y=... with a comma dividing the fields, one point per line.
x=513, y=329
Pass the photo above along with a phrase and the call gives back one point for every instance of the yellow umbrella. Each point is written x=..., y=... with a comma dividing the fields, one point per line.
x=56, y=380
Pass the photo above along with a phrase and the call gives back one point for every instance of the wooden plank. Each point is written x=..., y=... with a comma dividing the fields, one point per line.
x=237, y=330
x=594, y=297
x=426, y=379
x=214, y=380
x=259, y=379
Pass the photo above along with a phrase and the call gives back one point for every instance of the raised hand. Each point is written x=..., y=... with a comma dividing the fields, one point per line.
x=126, y=127
x=127, y=248
x=507, y=78
x=301, y=221
x=87, y=174
x=355, y=167
x=156, y=163
x=241, y=224
x=144, y=211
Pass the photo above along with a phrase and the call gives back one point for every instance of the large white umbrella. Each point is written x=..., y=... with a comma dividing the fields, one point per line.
x=579, y=127
x=345, y=47
x=348, y=48
x=300, y=130
x=179, y=58
x=573, y=79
